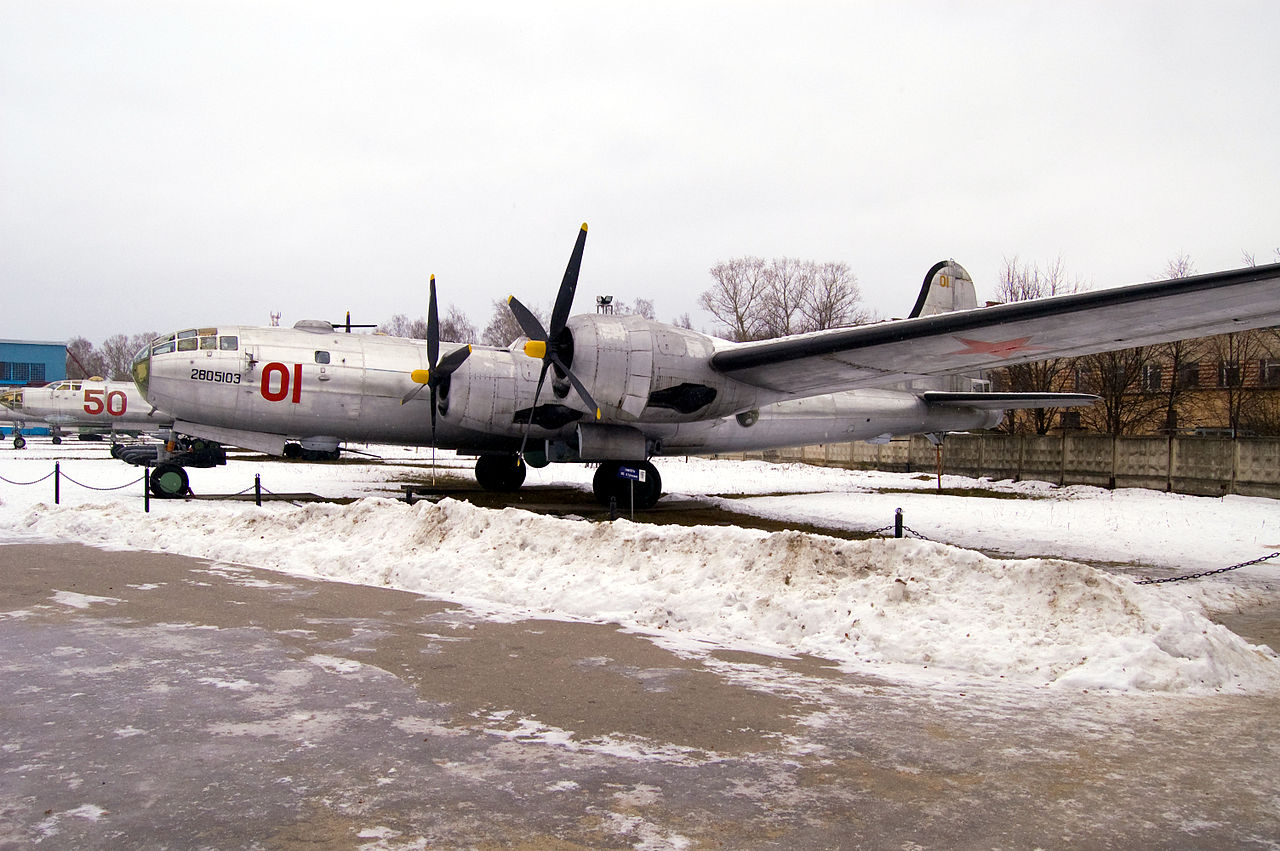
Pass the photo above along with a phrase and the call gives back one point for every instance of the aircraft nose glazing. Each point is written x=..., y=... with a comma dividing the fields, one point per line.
x=140, y=370
x=11, y=399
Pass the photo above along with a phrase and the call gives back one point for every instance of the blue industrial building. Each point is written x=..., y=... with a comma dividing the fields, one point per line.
x=27, y=363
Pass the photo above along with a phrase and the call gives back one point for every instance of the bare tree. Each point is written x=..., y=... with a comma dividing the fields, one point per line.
x=401, y=325
x=83, y=360
x=1118, y=377
x=755, y=299
x=503, y=327
x=118, y=352
x=457, y=328
x=1233, y=357
x=1181, y=357
x=736, y=297
x=833, y=301
x=789, y=287
x=1022, y=282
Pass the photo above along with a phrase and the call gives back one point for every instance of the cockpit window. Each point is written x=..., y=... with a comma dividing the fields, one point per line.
x=188, y=344
x=322, y=357
x=162, y=345
x=190, y=332
x=228, y=344
x=208, y=343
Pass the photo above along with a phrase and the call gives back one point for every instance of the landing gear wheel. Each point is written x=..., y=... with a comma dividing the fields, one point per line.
x=169, y=481
x=57, y=439
x=608, y=485
x=500, y=472
x=19, y=442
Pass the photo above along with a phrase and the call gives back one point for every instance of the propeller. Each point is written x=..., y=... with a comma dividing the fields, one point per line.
x=438, y=370
x=543, y=343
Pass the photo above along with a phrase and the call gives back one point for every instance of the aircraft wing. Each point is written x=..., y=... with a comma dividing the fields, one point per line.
x=967, y=341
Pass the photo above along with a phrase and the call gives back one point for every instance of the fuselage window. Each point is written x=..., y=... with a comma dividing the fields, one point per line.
x=322, y=357
x=228, y=344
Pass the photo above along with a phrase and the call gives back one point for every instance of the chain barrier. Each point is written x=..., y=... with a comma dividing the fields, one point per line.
x=92, y=488
x=1204, y=573
x=908, y=530
x=900, y=530
x=24, y=484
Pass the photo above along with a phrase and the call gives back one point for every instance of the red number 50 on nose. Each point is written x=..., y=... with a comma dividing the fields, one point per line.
x=284, y=383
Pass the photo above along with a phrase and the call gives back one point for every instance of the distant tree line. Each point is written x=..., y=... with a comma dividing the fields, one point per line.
x=1229, y=381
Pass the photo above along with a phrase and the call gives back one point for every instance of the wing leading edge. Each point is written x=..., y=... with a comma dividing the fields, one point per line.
x=1062, y=326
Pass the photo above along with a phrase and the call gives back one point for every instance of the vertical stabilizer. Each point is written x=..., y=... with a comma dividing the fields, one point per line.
x=947, y=287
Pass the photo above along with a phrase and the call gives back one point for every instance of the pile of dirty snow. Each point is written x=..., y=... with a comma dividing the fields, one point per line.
x=907, y=609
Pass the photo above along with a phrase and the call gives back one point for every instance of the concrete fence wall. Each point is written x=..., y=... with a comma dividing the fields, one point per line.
x=1203, y=466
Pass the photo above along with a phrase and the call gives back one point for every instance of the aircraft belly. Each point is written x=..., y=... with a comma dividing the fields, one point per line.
x=831, y=418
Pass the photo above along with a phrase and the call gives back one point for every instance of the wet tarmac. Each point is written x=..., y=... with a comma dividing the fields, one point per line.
x=156, y=701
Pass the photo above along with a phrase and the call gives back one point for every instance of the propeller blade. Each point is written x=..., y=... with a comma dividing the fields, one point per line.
x=412, y=394
x=577, y=385
x=542, y=377
x=448, y=364
x=433, y=326
x=568, y=286
x=529, y=323
x=434, y=402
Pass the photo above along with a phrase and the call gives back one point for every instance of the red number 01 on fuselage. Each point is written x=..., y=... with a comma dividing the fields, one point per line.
x=285, y=383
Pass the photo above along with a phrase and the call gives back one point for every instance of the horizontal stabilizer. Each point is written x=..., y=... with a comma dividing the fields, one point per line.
x=1008, y=401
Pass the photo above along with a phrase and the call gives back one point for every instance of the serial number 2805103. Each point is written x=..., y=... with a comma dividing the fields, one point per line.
x=214, y=376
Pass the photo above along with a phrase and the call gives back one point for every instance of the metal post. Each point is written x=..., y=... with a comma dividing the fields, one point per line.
x=897, y=523
x=57, y=482
x=146, y=489
x=257, y=489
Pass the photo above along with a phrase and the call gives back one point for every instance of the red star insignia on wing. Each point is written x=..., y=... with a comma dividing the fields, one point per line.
x=1000, y=348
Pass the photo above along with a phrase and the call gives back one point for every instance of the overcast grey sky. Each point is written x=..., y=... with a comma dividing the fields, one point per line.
x=168, y=164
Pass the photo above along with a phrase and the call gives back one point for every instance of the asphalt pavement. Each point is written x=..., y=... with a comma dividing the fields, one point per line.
x=158, y=701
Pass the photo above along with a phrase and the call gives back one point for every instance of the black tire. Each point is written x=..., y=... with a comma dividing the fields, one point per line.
x=501, y=473
x=19, y=442
x=169, y=481
x=57, y=440
x=607, y=485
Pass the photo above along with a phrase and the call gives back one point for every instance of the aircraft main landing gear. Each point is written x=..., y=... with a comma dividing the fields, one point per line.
x=609, y=485
x=19, y=442
x=500, y=472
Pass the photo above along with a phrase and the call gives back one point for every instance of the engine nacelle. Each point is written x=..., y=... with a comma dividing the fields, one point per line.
x=635, y=367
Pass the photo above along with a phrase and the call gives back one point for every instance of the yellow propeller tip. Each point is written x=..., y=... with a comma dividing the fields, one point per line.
x=433, y=278
x=597, y=413
x=584, y=225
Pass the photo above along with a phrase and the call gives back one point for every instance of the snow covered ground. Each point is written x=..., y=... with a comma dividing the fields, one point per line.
x=922, y=611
